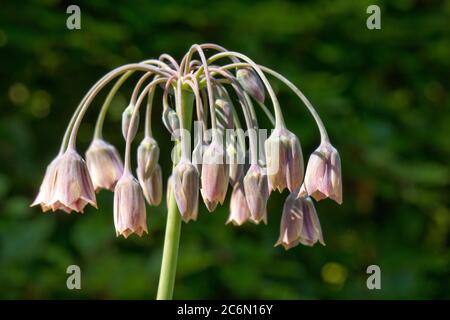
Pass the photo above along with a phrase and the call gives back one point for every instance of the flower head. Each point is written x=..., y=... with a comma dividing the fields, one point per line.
x=257, y=193
x=129, y=207
x=284, y=160
x=104, y=164
x=323, y=174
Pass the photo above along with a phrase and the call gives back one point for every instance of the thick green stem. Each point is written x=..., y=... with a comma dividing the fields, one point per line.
x=173, y=224
x=170, y=253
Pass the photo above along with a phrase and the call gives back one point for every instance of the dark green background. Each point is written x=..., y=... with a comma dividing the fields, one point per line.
x=382, y=95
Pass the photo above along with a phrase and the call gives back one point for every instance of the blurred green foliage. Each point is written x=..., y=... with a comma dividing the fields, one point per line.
x=382, y=94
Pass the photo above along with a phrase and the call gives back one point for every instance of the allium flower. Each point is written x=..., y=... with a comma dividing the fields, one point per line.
x=104, y=164
x=291, y=221
x=218, y=93
x=239, y=211
x=148, y=156
x=152, y=186
x=251, y=83
x=69, y=187
x=311, y=231
x=323, y=174
x=45, y=194
x=256, y=193
x=284, y=160
x=299, y=223
x=214, y=175
x=185, y=187
x=129, y=207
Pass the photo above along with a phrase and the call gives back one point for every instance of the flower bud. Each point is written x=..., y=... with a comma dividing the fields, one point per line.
x=126, y=122
x=152, y=186
x=256, y=193
x=72, y=187
x=251, y=83
x=171, y=122
x=148, y=156
x=239, y=212
x=323, y=174
x=184, y=182
x=214, y=175
x=284, y=160
x=104, y=164
x=129, y=207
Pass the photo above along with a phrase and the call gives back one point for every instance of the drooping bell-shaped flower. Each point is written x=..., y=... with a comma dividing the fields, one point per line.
x=299, y=223
x=129, y=207
x=152, y=186
x=214, y=175
x=239, y=211
x=184, y=183
x=148, y=156
x=323, y=174
x=126, y=122
x=72, y=186
x=104, y=164
x=257, y=193
x=284, y=160
x=291, y=221
x=311, y=230
x=45, y=194
x=251, y=83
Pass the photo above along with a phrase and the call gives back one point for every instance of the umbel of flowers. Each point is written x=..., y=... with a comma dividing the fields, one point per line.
x=218, y=95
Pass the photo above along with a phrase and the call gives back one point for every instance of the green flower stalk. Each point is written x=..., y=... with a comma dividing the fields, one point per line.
x=219, y=95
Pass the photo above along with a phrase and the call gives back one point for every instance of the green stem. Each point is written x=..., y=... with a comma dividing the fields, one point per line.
x=170, y=253
x=107, y=103
x=173, y=224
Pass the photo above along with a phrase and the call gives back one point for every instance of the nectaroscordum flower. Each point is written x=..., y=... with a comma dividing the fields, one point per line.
x=256, y=193
x=148, y=156
x=299, y=223
x=47, y=187
x=104, y=164
x=214, y=175
x=239, y=212
x=185, y=181
x=323, y=174
x=220, y=95
x=129, y=207
x=67, y=184
x=284, y=160
x=152, y=186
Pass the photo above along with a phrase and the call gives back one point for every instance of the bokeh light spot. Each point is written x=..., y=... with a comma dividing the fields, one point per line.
x=334, y=273
x=40, y=104
x=18, y=93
